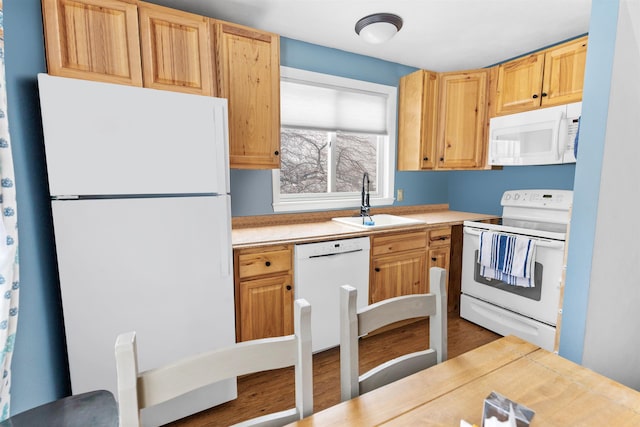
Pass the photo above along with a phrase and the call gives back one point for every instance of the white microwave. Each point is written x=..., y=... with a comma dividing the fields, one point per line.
x=545, y=136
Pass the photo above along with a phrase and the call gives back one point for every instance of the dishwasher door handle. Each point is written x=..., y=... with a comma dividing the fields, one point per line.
x=336, y=253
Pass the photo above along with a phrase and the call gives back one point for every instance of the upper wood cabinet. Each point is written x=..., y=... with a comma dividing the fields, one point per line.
x=248, y=64
x=93, y=40
x=564, y=73
x=442, y=120
x=462, y=116
x=417, y=120
x=176, y=50
x=519, y=84
x=550, y=77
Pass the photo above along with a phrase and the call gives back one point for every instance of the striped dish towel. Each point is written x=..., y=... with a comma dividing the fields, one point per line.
x=507, y=258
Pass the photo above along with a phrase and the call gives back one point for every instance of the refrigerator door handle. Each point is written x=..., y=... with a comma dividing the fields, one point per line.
x=222, y=150
x=226, y=258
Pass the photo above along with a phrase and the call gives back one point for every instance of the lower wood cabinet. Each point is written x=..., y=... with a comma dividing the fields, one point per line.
x=398, y=265
x=440, y=249
x=264, y=292
x=400, y=261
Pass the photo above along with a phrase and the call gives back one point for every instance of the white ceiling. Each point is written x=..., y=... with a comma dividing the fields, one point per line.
x=437, y=35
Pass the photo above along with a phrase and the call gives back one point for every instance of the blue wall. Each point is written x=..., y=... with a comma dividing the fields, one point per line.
x=593, y=126
x=39, y=370
x=480, y=191
x=39, y=366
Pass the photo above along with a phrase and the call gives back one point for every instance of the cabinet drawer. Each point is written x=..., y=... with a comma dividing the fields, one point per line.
x=440, y=237
x=263, y=263
x=388, y=244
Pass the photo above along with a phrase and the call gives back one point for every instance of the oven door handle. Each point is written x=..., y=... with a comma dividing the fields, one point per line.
x=545, y=243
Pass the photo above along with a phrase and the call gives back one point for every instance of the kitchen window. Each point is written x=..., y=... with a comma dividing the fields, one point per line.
x=333, y=130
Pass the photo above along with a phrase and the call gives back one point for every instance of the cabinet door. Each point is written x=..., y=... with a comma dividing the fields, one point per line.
x=439, y=254
x=93, y=40
x=417, y=114
x=176, y=51
x=400, y=274
x=519, y=84
x=266, y=308
x=248, y=64
x=439, y=257
x=462, y=119
x=564, y=73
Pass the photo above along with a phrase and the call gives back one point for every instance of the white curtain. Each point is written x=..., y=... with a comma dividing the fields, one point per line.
x=9, y=283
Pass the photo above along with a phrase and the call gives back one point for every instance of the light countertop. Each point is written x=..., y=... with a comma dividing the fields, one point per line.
x=326, y=229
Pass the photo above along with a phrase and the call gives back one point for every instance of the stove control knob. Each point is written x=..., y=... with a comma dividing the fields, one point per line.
x=516, y=196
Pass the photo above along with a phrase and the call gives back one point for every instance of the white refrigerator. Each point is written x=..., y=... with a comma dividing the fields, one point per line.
x=139, y=181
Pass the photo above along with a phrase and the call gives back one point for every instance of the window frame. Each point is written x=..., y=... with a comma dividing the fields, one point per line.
x=386, y=151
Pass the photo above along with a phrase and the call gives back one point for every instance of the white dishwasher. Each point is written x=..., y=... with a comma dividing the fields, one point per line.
x=320, y=270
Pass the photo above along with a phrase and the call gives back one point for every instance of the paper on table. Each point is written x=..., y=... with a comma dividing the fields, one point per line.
x=501, y=411
x=510, y=422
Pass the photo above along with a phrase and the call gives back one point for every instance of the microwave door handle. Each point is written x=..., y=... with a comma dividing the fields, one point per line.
x=562, y=132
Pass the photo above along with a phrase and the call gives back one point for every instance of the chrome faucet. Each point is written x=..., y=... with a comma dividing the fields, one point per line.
x=364, y=204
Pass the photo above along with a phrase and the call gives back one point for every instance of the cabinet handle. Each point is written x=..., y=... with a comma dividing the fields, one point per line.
x=434, y=259
x=275, y=153
x=442, y=159
x=425, y=158
x=377, y=269
x=535, y=95
x=544, y=94
x=288, y=287
x=268, y=263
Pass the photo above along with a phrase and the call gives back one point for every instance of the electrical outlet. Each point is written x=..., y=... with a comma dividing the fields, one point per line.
x=400, y=195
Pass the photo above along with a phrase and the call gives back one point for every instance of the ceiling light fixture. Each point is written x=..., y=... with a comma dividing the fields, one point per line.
x=379, y=27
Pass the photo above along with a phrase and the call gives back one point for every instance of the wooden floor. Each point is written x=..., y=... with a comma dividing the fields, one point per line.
x=273, y=391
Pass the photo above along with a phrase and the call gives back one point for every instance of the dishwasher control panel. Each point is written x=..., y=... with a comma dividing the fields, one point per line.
x=310, y=250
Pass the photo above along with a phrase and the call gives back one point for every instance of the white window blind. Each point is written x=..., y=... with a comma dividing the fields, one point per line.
x=331, y=107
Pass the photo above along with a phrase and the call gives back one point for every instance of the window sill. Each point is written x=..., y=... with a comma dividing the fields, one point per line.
x=316, y=205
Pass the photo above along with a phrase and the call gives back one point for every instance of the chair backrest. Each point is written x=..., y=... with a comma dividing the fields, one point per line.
x=137, y=390
x=355, y=323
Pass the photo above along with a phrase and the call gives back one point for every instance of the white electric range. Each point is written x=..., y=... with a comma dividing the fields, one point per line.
x=530, y=313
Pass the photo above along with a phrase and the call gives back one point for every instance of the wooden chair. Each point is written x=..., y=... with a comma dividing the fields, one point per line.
x=355, y=323
x=137, y=390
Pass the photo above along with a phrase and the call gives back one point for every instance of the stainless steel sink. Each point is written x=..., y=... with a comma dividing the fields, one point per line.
x=377, y=221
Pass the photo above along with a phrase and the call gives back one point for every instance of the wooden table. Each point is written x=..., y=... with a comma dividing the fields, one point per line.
x=560, y=392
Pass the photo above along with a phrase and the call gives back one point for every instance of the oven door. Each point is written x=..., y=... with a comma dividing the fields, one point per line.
x=540, y=302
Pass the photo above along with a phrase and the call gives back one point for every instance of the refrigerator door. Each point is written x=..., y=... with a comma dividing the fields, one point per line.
x=108, y=139
x=159, y=266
